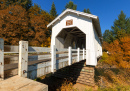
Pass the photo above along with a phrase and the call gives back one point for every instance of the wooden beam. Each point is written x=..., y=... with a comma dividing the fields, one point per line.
x=80, y=36
x=23, y=58
x=53, y=57
x=78, y=54
x=10, y=48
x=76, y=32
x=1, y=59
x=15, y=65
x=83, y=53
x=73, y=30
x=70, y=55
x=39, y=49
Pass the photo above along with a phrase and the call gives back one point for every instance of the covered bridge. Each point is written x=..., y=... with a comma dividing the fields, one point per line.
x=71, y=29
x=78, y=30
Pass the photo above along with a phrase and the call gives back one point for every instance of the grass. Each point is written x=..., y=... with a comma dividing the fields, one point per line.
x=117, y=88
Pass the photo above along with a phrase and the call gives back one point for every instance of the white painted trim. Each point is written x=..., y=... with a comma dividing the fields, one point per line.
x=70, y=56
x=38, y=49
x=23, y=59
x=75, y=12
x=1, y=59
x=53, y=57
x=78, y=54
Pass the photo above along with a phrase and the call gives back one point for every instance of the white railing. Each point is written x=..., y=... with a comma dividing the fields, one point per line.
x=33, y=62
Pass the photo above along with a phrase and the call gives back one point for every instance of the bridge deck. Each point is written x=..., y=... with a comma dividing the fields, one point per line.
x=17, y=83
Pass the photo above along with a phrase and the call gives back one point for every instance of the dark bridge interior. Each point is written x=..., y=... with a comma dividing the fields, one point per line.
x=73, y=37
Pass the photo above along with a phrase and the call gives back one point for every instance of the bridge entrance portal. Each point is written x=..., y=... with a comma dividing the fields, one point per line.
x=73, y=37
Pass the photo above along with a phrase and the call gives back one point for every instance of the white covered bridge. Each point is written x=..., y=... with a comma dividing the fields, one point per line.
x=75, y=45
x=78, y=30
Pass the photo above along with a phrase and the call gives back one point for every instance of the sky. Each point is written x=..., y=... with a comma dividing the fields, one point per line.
x=106, y=10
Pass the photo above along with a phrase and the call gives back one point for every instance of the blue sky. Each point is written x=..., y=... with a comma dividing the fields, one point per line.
x=106, y=10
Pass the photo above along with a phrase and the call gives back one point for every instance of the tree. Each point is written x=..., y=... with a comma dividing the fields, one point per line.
x=38, y=21
x=71, y=5
x=53, y=11
x=119, y=52
x=2, y=4
x=35, y=10
x=87, y=11
x=24, y=3
x=21, y=21
x=14, y=25
x=121, y=25
x=120, y=28
x=108, y=36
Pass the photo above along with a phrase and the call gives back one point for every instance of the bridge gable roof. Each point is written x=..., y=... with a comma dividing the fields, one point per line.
x=95, y=19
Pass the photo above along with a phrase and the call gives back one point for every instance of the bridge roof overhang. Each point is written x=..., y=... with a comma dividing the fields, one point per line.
x=94, y=18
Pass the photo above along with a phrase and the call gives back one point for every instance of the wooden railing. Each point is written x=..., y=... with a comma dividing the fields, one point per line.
x=33, y=62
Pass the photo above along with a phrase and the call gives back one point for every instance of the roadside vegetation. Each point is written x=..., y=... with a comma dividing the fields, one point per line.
x=117, y=53
x=116, y=42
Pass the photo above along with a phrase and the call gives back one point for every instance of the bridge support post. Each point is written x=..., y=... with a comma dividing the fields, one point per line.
x=70, y=56
x=23, y=58
x=83, y=53
x=78, y=54
x=87, y=56
x=53, y=57
x=1, y=59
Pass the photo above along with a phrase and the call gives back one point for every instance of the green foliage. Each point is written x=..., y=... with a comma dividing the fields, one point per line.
x=108, y=36
x=87, y=11
x=71, y=5
x=120, y=28
x=53, y=11
x=121, y=25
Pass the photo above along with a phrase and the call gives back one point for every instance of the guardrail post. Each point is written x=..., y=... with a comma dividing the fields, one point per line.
x=70, y=56
x=78, y=54
x=23, y=58
x=83, y=53
x=1, y=59
x=53, y=57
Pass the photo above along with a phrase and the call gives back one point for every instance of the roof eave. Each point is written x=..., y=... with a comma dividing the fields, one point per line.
x=72, y=11
x=93, y=17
